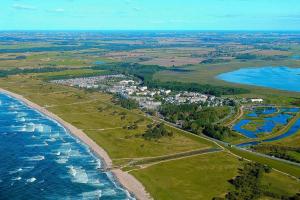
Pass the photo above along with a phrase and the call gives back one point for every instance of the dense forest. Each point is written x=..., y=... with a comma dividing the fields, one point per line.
x=198, y=120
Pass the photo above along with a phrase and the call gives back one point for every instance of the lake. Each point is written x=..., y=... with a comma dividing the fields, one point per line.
x=41, y=160
x=281, y=78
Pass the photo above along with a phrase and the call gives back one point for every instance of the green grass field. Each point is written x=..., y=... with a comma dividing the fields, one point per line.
x=203, y=177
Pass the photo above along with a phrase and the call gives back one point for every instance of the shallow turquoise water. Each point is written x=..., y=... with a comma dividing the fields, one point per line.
x=281, y=78
x=41, y=160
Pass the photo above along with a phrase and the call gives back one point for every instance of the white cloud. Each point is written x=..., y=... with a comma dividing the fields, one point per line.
x=23, y=7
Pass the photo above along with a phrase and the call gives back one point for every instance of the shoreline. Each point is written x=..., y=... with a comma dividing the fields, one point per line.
x=128, y=181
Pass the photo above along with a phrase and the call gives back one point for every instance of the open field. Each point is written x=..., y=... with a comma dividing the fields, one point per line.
x=281, y=166
x=202, y=177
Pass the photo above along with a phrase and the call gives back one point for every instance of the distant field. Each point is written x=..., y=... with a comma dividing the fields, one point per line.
x=162, y=56
x=73, y=73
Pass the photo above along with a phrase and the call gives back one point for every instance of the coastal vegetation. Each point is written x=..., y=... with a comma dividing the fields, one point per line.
x=125, y=102
x=156, y=131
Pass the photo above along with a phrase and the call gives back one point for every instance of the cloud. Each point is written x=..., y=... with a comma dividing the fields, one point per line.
x=23, y=7
x=57, y=10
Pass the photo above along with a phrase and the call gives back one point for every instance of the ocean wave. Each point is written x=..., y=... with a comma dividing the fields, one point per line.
x=16, y=178
x=62, y=160
x=35, y=158
x=21, y=119
x=37, y=145
x=79, y=175
x=15, y=171
x=109, y=192
x=92, y=195
x=31, y=180
x=31, y=127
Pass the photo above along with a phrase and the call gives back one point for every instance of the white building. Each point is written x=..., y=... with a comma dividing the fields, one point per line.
x=144, y=88
x=256, y=100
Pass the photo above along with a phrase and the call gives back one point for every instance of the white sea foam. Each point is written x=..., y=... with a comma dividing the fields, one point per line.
x=31, y=127
x=109, y=192
x=50, y=140
x=62, y=159
x=79, y=174
x=21, y=119
x=35, y=158
x=15, y=171
x=92, y=195
x=31, y=180
x=16, y=178
x=21, y=114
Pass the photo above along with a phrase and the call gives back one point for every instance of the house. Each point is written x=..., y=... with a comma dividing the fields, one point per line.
x=256, y=100
x=167, y=92
x=144, y=88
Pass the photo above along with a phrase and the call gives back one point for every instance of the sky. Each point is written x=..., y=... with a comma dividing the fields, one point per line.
x=150, y=15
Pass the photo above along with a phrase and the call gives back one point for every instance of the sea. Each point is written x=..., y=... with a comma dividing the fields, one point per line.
x=40, y=159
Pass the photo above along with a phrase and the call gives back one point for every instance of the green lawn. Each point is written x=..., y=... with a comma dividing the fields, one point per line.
x=200, y=177
x=203, y=177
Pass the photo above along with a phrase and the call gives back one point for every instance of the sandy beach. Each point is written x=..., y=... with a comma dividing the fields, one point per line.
x=126, y=180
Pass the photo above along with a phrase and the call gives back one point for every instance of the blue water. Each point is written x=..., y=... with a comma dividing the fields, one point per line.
x=265, y=111
x=41, y=160
x=296, y=57
x=268, y=126
x=282, y=78
x=293, y=130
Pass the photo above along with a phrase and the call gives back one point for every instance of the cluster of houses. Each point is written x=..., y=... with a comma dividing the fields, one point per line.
x=86, y=82
x=147, y=98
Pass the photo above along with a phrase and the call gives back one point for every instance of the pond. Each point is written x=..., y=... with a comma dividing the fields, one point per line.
x=265, y=120
x=293, y=130
x=281, y=78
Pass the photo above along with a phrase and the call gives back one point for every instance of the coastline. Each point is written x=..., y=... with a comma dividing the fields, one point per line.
x=128, y=181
